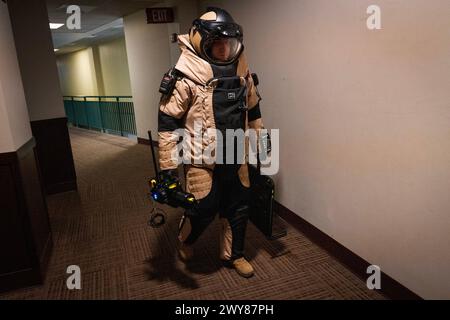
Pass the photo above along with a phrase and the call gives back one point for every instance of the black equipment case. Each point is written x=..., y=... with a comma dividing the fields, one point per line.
x=262, y=191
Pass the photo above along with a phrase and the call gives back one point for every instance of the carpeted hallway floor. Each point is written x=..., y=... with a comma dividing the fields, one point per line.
x=103, y=229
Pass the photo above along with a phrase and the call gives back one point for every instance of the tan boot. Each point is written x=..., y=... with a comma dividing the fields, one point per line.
x=186, y=252
x=243, y=268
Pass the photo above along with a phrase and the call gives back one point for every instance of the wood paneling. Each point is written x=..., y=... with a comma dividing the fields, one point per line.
x=25, y=235
x=54, y=153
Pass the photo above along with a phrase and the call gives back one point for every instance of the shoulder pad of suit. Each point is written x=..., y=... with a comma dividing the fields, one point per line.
x=169, y=80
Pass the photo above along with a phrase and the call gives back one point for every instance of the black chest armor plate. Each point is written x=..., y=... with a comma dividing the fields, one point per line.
x=229, y=98
x=229, y=106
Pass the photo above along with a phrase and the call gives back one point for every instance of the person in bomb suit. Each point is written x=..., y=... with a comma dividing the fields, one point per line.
x=211, y=85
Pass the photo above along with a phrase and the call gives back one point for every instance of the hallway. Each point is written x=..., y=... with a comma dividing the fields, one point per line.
x=103, y=229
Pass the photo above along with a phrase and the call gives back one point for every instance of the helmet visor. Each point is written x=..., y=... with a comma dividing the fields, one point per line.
x=222, y=50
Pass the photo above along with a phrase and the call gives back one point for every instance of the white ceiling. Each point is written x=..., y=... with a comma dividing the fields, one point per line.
x=101, y=20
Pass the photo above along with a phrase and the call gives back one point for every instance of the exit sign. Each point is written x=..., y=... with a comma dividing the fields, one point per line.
x=159, y=15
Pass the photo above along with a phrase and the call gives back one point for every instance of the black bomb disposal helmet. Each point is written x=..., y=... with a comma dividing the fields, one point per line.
x=216, y=37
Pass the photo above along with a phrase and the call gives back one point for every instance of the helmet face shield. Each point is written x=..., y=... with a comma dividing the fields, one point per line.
x=222, y=50
x=218, y=41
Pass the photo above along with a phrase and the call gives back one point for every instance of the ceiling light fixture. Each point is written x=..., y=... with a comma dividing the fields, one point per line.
x=54, y=26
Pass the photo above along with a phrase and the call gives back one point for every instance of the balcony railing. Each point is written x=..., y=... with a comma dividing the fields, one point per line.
x=110, y=114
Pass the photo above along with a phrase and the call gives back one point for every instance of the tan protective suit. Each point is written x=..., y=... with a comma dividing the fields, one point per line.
x=192, y=101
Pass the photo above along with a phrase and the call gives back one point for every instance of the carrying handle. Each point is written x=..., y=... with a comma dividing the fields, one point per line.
x=212, y=83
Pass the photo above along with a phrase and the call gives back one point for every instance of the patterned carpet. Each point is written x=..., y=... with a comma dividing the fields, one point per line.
x=103, y=229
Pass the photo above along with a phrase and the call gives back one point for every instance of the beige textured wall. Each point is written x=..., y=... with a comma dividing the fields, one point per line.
x=148, y=59
x=365, y=125
x=14, y=120
x=77, y=73
x=98, y=70
x=36, y=59
x=114, y=68
x=150, y=55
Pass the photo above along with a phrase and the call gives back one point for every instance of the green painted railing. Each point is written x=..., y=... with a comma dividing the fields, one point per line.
x=110, y=114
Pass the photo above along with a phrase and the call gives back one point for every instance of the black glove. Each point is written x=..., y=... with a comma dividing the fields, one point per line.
x=168, y=190
x=169, y=174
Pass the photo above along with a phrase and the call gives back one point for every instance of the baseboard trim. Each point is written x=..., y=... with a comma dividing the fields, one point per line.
x=62, y=187
x=389, y=286
x=147, y=142
x=31, y=276
x=20, y=279
x=45, y=257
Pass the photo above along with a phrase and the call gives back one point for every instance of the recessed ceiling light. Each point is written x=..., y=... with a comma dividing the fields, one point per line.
x=54, y=26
